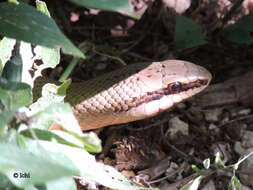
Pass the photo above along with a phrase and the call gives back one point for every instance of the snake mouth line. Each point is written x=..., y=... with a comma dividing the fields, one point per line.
x=158, y=94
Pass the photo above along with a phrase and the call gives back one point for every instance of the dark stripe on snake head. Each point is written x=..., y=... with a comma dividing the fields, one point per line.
x=172, y=88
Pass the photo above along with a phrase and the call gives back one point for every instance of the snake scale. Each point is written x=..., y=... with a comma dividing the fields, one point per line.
x=135, y=92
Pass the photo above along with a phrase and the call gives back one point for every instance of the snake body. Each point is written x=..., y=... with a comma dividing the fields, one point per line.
x=135, y=92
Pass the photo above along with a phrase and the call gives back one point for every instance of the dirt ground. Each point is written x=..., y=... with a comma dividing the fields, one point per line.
x=159, y=152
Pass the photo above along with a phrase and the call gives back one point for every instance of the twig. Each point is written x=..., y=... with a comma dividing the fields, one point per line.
x=150, y=125
x=236, y=119
x=69, y=69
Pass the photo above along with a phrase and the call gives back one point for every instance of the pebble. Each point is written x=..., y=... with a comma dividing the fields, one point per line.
x=209, y=186
x=178, y=126
x=213, y=115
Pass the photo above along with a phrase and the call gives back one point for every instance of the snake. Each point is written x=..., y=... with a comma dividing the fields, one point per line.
x=135, y=92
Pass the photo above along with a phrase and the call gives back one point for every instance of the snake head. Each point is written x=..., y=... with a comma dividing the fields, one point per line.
x=170, y=82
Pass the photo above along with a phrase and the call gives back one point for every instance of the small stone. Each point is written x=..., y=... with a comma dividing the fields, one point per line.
x=213, y=115
x=178, y=126
x=243, y=187
x=128, y=173
x=214, y=129
x=238, y=148
x=247, y=139
x=246, y=165
x=244, y=112
x=101, y=67
x=181, y=106
x=209, y=186
x=212, y=126
x=236, y=112
x=172, y=167
x=171, y=170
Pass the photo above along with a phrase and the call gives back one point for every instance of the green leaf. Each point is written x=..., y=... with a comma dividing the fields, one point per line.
x=206, y=163
x=22, y=61
x=59, y=113
x=5, y=117
x=39, y=166
x=218, y=161
x=49, y=136
x=9, y=136
x=46, y=110
x=14, y=95
x=6, y=47
x=193, y=184
x=13, y=1
x=196, y=169
x=188, y=34
x=121, y=6
x=25, y=23
x=4, y=182
x=241, y=31
x=62, y=184
x=201, y=172
x=27, y=54
x=49, y=56
x=235, y=183
x=32, y=187
x=51, y=93
x=13, y=68
x=88, y=141
x=42, y=7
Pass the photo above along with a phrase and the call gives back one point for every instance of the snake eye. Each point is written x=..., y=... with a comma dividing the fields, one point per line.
x=175, y=87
